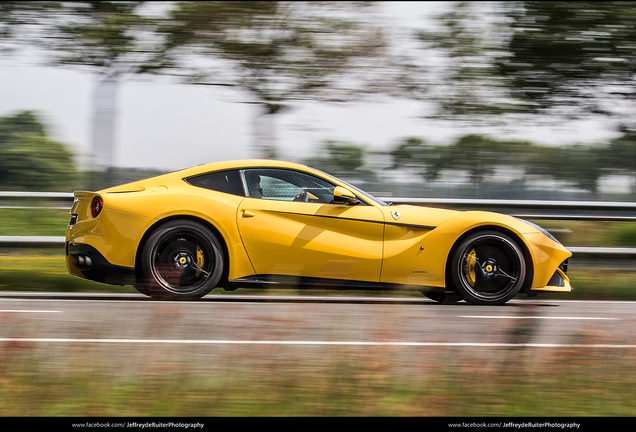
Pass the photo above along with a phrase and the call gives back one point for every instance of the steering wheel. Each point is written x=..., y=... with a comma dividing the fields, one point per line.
x=302, y=196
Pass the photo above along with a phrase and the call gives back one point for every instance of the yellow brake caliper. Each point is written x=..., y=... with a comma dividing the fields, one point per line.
x=469, y=268
x=200, y=260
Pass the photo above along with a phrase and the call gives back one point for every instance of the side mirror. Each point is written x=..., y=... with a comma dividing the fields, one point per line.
x=344, y=196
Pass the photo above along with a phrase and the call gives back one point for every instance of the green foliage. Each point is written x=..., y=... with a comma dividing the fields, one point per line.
x=534, y=57
x=276, y=51
x=22, y=123
x=624, y=234
x=345, y=157
x=564, y=54
x=575, y=163
x=479, y=156
x=476, y=154
x=580, y=166
x=426, y=160
x=31, y=161
x=621, y=153
x=105, y=35
x=344, y=160
x=37, y=222
x=465, y=86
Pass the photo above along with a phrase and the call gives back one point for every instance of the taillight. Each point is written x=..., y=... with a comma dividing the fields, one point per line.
x=96, y=206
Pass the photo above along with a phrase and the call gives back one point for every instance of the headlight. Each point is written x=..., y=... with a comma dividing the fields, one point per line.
x=543, y=230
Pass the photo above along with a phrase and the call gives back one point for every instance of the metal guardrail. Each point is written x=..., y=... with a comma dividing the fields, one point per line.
x=599, y=211
x=58, y=200
x=33, y=241
x=38, y=195
x=527, y=209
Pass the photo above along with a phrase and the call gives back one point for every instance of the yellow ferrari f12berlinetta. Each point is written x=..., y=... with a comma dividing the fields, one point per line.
x=261, y=223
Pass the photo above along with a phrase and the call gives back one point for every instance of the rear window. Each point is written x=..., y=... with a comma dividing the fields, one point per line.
x=221, y=181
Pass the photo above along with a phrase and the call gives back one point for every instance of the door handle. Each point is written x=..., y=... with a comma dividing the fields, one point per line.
x=247, y=213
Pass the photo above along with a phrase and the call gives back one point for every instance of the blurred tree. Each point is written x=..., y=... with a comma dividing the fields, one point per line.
x=620, y=154
x=15, y=18
x=576, y=164
x=29, y=159
x=114, y=39
x=413, y=153
x=462, y=51
x=22, y=123
x=480, y=155
x=578, y=57
x=563, y=59
x=619, y=157
x=342, y=159
x=277, y=52
x=346, y=157
x=280, y=52
x=477, y=154
x=523, y=61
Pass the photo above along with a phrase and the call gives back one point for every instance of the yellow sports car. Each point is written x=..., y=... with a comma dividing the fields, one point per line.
x=263, y=223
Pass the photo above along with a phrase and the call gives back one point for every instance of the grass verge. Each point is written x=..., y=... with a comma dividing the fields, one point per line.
x=339, y=382
x=34, y=222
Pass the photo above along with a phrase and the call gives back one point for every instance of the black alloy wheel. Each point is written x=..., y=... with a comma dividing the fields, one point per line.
x=488, y=268
x=182, y=260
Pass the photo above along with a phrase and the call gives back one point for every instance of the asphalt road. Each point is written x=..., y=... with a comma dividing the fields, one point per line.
x=304, y=321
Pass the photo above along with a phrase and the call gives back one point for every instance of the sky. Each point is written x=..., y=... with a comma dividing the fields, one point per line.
x=168, y=126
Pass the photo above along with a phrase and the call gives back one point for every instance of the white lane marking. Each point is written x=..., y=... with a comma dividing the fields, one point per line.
x=536, y=317
x=353, y=343
x=28, y=311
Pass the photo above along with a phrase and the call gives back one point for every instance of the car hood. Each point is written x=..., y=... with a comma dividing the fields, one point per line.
x=416, y=215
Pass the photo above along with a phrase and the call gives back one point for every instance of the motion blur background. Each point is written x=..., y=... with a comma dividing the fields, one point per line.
x=440, y=99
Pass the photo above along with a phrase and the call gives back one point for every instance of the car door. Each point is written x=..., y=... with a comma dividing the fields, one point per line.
x=291, y=226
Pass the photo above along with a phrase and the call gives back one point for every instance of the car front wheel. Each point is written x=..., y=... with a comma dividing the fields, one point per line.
x=488, y=268
x=182, y=260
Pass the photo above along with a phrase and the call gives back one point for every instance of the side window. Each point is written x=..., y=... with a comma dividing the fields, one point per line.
x=287, y=185
x=221, y=181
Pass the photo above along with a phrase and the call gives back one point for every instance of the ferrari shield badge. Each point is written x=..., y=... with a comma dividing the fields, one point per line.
x=396, y=214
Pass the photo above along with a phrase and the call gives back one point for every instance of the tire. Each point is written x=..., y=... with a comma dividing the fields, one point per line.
x=182, y=260
x=488, y=268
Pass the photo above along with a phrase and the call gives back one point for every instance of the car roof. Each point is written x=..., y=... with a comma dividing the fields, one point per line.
x=175, y=176
x=241, y=163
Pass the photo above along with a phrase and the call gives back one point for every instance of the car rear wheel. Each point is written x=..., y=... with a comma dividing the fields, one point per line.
x=488, y=268
x=182, y=260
